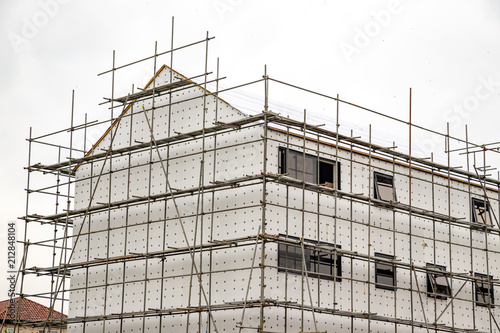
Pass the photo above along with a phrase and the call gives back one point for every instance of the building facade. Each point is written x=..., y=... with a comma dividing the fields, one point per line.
x=221, y=221
x=190, y=215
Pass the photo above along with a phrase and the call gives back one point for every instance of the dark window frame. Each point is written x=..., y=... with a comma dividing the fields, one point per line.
x=480, y=287
x=480, y=203
x=381, y=270
x=435, y=289
x=382, y=178
x=316, y=261
x=284, y=158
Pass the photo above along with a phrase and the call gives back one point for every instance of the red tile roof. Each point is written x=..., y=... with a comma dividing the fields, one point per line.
x=29, y=311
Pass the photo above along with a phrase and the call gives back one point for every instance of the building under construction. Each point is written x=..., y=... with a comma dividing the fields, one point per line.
x=189, y=215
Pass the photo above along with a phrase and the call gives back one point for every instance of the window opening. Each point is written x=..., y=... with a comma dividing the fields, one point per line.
x=484, y=290
x=318, y=263
x=385, y=273
x=437, y=283
x=384, y=187
x=480, y=214
x=317, y=170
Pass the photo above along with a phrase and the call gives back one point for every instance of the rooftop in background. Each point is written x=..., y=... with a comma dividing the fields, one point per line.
x=30, y=311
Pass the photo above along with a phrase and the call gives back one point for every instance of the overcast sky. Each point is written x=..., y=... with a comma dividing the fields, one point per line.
x=370, y=52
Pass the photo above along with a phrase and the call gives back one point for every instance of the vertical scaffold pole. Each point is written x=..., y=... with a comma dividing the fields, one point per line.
x=263, y=206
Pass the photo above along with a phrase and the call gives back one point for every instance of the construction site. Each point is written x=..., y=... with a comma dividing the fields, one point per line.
x=188, y=214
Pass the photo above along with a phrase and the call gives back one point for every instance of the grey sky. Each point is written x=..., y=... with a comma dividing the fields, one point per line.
x=447, y=51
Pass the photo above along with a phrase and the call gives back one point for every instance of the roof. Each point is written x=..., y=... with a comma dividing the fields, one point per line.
x=143, y=93
x=30, y=311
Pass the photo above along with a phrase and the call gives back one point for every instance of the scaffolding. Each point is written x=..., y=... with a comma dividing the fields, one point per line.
x=449, y=230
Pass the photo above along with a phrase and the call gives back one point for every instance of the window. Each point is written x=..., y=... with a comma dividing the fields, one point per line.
x=385, y=273
x=317, y=170
x=484, y=290
x=437, y=283
x=321, y=264
x=327, y=265
x=383, y=187
x=479, y=213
